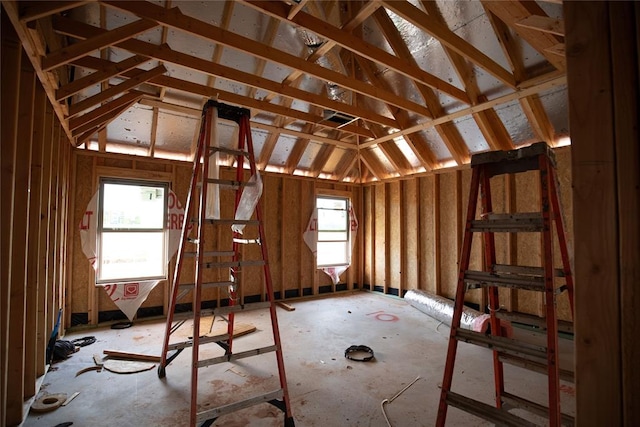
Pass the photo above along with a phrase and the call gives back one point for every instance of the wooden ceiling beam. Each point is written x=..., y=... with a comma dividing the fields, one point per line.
x=538, y=119
x=86, y=46
x=298, y=150
x=116, y=90
x=321, y=159
x=299, y=134
x=104, y=74
x=449, y=134
x=175, y=19
x=78, y=122
x=490, y=124
x=401, y=116
x=166, y=54
x=359, y=47
x=269, y=145
x=106, y=113
x=431, y=26
x=511, y=12
x=396, y=157
x=510, y=48
x=545, y=24
x=32, y=10
x=373, y=164
x=526, y=89
x=346, y=164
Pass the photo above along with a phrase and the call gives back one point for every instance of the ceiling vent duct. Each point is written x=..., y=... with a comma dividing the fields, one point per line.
x=337, y=117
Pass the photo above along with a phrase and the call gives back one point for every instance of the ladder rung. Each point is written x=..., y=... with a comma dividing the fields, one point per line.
x=231, y=264
x=203, y=340
x=487, y=278
x=242, y=307
x=232, y=407
x=207, y=285
x=231, y=221
x=496, y=415
x=507, y=345
x=231, y=151
x=509, y=223
x=533, y=407
x=525, y=270
x=529, y=319
x=246, y=241
x=536, y=366
x=236, y=356
x=223, y=310
x=210, y=254
x=229, y=183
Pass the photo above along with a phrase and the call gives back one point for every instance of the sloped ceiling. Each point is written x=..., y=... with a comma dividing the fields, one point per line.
x=353, y=91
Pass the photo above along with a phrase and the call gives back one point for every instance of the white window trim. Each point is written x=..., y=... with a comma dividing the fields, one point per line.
x=132, y=181
x=334, y=194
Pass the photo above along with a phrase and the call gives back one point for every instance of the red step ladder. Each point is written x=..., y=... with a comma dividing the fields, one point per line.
x=223, y=257
x=544, y=278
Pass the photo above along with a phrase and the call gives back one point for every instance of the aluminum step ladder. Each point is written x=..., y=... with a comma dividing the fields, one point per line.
x=545, y=279
x=226, y=257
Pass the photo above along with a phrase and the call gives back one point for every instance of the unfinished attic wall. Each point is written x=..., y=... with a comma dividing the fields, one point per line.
x=35, y=157
x=413, y=231
x=287, y=204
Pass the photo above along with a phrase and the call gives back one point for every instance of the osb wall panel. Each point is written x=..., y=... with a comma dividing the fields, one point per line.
x=432, y=209
x=448, y=234
x=287, y=205
x=380, y=236
x=396, y=234
x=81, y=271
x=411, y=232
x=427, y=243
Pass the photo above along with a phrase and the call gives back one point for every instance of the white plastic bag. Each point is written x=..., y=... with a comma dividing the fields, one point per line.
x=248, y=201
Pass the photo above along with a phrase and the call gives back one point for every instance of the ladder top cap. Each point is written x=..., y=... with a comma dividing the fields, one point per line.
x=226, y=111
x=532, y=150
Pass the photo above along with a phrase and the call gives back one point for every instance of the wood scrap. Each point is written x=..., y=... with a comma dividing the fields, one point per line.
x=117, y=354
x=220, y=328
x=90, y=368
x=127, y=366
x=73, y=396
x=49, y=402
x=286, y=306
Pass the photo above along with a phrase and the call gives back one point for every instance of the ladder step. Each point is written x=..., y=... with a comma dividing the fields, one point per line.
x=210, y=254
x=496, y=415
x=246, y=241
x=536, y=366
x=206, y=285
x=203, y=340
x=231, y=264
x=234, y=221
x=236, y=406
x=533, y=407
x=502, y=344
x=529, y=319
x=236, y=356
x=230, y=151
x=223, y=310
x=486, y=278
x=229, y=183
x=509, y=223
x=525, y=270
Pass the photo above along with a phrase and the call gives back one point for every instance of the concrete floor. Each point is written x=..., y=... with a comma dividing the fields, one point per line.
x=325, y=388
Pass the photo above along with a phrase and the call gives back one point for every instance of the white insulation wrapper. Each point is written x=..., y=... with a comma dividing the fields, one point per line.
x=213, y=190
x=441, y=308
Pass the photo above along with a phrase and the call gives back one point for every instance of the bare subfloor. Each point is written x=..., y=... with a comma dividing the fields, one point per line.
x=325, y=388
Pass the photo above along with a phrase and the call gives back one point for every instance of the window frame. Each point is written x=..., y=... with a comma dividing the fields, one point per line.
x=347, y=241
x=140, y=182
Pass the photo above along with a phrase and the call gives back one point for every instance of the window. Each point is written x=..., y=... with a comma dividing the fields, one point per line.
x=333, y=231
x=131, y=231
